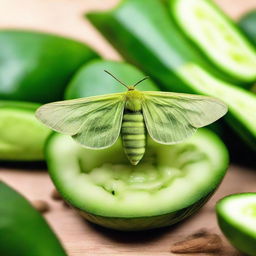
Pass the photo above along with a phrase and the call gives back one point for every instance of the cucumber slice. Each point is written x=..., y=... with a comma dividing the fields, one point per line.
x=22, y=136
x=158, y=48
x=237, y=219
x=217, y=37
x=241, y=103
x=248, y=23
x=37, y=66
x=91, y=80
x=23, y=231
x=170, y=184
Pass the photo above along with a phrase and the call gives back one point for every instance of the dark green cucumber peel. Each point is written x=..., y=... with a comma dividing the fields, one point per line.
x=36, y=66
x=248, y=23
x=23, y=231
x=217, y=36
x=170, y=184
x=22, y=136
x=158, y=48
x=91, y=80
x=237, y=219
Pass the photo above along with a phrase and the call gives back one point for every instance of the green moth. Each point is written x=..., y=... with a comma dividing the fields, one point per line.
x=96, y=122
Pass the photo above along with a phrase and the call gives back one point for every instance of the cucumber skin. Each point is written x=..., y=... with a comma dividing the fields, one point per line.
x=247, y=24
x=237, y=237
x=23, y=231
x=145, y=223
x=43, y=65
x=231, y=78
x=110, y=24
x=92, y=73
x=141, y=223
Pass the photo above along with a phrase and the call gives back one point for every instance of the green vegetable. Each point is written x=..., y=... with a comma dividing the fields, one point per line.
x=22, y=136
x=248, y=23
x=37, y=67
x=91, y=80
x=23, y=231
x=170, y=183
x=217, y=37
x=157, y=47
x=237, y=219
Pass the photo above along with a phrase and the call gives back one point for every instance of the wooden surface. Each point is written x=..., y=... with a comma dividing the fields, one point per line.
x=80, y=238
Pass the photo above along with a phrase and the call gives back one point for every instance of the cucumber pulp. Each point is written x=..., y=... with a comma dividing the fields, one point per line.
x=170, y=183
x=237, y=219
x=217, y=37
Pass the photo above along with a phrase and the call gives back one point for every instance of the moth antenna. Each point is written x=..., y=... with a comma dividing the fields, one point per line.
x=146, y=77
x=116, y=79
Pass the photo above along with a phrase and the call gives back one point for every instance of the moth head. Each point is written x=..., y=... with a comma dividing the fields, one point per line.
x=129, y=87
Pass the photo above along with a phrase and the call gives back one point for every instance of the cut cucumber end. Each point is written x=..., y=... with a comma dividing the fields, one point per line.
x=217, y=37
x=22, y=136
x=237, y=219
x=169, y=184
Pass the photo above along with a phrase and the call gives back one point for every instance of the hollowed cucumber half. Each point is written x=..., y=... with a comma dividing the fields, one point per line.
x=217, y=37
x=170, y=183
x=237, y=219
x=22, y=136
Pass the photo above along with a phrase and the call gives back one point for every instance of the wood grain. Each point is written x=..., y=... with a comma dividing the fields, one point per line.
x=79, y=237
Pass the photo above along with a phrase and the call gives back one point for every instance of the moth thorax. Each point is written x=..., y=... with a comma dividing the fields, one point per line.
x=133, y=134
x=133, y=100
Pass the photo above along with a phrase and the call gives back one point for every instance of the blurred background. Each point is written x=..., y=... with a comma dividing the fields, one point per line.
x=65, y=18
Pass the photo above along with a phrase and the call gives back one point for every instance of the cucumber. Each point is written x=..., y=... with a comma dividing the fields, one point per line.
x=91, y=80
x=170, y=184
x=23, y=231
x=158, y=48
x=248, y=23
x=37, y=66
x=237, y=219
x=22, y=136
x=217, y=37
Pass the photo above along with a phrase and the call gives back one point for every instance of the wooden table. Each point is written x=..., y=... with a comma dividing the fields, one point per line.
x=78, y=236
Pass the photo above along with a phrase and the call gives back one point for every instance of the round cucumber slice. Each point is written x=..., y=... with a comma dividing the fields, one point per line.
x=170, y=183
x=237, y=219
x=22, y=136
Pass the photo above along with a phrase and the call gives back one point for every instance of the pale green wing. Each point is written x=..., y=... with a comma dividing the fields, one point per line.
x=94, y=122
x=173, y=117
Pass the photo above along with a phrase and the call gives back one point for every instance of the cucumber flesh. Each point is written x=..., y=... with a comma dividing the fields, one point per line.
x=237, y=219
x=217, y=37
x=169, y=184
x=22, y=136
x=241, y=103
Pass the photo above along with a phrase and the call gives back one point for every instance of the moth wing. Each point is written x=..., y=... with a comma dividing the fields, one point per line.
x=173, y=117
x=94, y=122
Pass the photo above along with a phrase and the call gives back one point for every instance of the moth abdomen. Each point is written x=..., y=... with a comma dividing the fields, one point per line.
x=133, y=133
